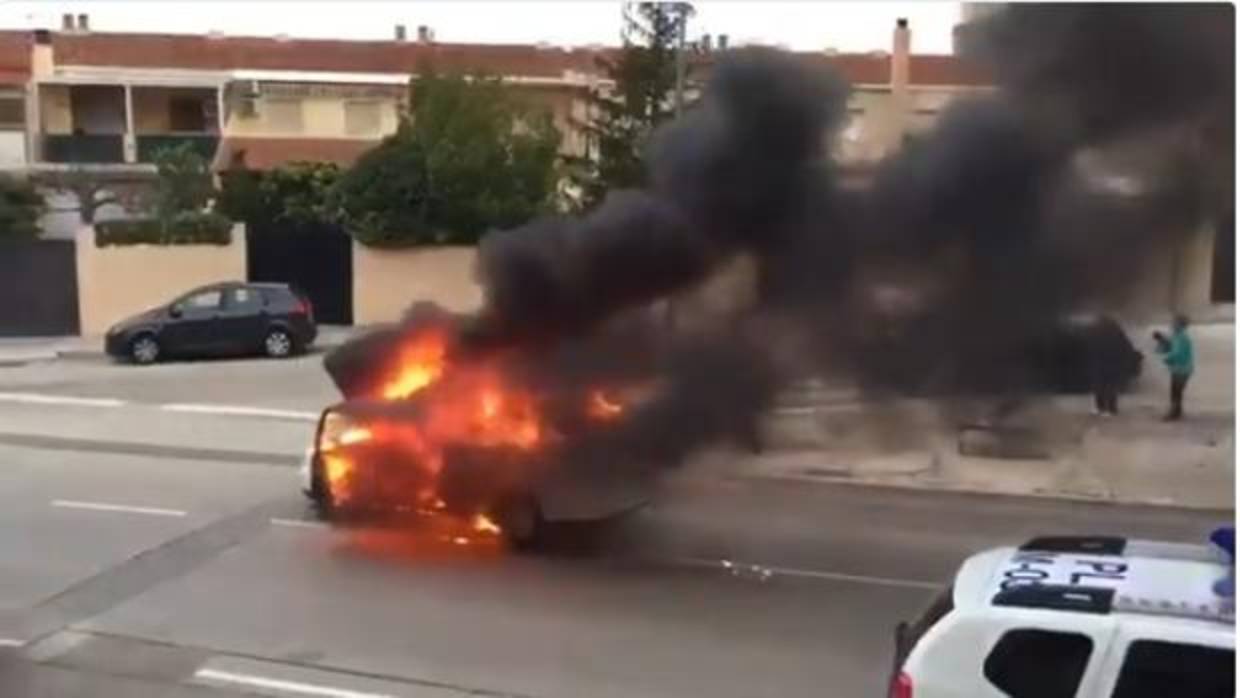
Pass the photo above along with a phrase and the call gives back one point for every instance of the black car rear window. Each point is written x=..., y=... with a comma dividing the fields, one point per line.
x=276, y=296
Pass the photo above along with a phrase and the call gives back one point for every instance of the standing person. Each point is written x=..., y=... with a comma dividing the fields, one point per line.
x=1108, y=350
x=1177, y=353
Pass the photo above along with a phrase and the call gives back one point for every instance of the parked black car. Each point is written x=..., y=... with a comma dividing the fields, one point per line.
x=220, y=319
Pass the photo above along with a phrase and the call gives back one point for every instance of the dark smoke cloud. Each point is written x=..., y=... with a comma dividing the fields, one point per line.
x=971, y=243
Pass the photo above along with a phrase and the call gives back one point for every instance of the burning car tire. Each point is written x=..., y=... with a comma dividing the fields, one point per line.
x=521, y=519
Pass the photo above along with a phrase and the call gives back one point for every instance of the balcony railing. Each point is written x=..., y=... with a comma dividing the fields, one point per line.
x=202, y=143
x=84, y=148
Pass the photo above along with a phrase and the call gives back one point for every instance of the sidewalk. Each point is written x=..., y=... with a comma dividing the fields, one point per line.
x=1135, y=459
x=16, y=351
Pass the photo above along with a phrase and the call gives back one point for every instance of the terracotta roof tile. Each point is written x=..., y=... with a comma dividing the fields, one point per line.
x=266, y=53
x=257, y=53
x=266, y=153
x=947, y=70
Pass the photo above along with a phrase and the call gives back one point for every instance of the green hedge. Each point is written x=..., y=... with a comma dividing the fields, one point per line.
x=189, y=228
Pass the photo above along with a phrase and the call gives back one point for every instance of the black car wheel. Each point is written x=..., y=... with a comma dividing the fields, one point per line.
x=144, y=349
x=278, y=344
x=521, y=520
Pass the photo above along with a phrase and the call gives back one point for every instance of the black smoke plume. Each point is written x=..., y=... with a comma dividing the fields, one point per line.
x=1109, y=137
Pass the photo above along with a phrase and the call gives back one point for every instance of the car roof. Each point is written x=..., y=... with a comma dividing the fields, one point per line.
x=1100, y=575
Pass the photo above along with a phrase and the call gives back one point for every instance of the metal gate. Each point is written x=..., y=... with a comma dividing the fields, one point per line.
x=317, y=259
x=41, y=276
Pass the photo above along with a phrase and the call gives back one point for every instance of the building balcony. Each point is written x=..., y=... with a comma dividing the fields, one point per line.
x=84, y=148
x=149, y=145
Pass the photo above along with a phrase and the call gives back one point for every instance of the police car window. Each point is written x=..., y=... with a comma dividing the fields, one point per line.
x=244, y=299
x=1155, y=669
x=1030, y=663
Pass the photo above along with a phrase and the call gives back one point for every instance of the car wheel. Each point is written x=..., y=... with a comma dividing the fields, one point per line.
x=521, y=520
x=278, y=344
x=144, y=349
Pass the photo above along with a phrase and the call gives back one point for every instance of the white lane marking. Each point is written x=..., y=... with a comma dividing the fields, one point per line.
x=309, y=689
x=101, y=506
x=241, y=411
x=10, y=642
x=298, y=523
x=811, y=574
x=39, y=399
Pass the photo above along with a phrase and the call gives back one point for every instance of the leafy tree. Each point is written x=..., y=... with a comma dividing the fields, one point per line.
x=623, y=115
x=21, y=205
x=183, y=182
x=297, y=194
x=468, y=157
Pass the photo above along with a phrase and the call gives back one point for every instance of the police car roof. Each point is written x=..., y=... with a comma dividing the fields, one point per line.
x=1099, y=576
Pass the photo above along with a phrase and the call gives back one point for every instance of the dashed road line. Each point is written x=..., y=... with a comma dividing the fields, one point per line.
x=743, y=567
x=241, y=411
x=298, y=523
x=41, y=399
x=263, y=682
x=125, y=508
x=11, y=642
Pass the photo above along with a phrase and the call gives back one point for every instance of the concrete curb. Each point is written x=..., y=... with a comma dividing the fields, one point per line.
x=11, y=359
x=23, y=358
x=955, y=488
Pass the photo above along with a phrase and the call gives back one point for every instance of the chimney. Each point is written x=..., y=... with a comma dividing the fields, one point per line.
x=901, y=41
x=83, y=22
x=424, y=34
x=722, y=42
x=66, y=22
x=401, y=34
x=42, y=59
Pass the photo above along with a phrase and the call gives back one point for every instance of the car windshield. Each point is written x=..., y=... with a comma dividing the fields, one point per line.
x=593, y=349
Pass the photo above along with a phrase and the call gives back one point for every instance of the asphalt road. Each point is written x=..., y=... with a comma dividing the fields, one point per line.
x=176, y=573
x=152, y=543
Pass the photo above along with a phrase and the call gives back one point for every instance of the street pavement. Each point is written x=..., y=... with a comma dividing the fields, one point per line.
x=182, y=572
x=152, y=542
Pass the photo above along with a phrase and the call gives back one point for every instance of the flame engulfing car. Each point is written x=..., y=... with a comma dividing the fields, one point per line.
x=427, y=430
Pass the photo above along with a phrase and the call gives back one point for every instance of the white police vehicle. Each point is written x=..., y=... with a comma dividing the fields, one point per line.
x=1078, y=617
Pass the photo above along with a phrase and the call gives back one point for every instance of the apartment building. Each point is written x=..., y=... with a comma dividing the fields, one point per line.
x=80, y=96
x=110, y=101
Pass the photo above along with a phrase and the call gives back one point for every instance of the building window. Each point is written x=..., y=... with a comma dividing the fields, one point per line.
x=1153, y=668
x=1030, y=663
x=362, y=118
x=12, y=113
x=187, y=115
x=283, y=114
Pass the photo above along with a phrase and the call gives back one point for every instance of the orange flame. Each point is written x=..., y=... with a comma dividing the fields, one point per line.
x=483, y=524
x=602, y=407
x=421, y=363
x=460, y=404
x=339, y=472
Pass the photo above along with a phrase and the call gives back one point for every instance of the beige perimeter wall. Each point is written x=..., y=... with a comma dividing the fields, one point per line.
x=118, y=281
x=386, y=282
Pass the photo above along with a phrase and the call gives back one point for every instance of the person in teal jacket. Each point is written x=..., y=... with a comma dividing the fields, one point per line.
x=1177, y=354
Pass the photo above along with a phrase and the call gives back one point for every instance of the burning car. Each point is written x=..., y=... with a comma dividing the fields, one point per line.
x=427, y=432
